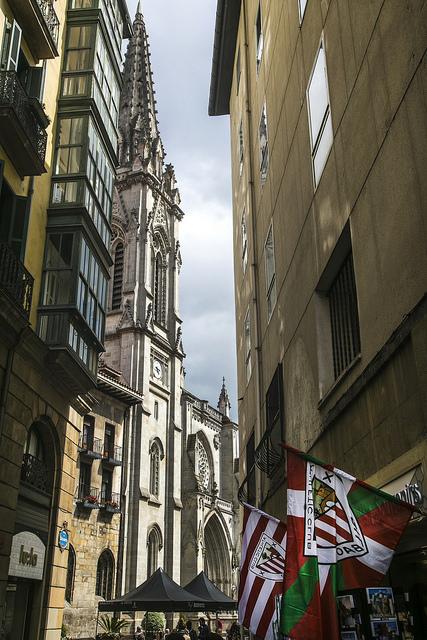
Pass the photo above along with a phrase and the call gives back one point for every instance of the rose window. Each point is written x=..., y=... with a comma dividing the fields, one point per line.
x=203, y=470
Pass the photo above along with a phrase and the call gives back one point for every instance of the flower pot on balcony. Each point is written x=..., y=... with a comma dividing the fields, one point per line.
x=89, y=502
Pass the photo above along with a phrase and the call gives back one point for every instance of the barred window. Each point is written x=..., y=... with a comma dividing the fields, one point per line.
x=344, y=317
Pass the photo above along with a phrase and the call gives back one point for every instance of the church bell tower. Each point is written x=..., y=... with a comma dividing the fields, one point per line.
x=143, y=329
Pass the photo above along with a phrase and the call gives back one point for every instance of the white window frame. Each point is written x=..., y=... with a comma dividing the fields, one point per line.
x=248, y=344
x=259, y=38
x=244, y=241
x=302, y=5
x=12, y=34
x=263, y=152
x=241, y=148
x=325, y=131
x=238, y=70
x=270, y=282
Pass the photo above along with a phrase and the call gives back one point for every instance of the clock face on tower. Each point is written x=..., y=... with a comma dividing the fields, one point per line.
x=157, y=369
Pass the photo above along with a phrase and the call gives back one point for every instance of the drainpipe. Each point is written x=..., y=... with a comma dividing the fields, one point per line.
x=254, y=265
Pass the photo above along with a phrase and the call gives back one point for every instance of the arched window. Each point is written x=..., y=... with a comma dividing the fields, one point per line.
x=104, y=575
x=155, y=469
x=154, y=544
x=159, y=289
x=34, y=469
x=71, y=568
x=34, y=445
x=118, y=276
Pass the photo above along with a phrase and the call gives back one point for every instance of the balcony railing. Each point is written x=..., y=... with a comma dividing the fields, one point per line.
x=88, y=497
x=269, y=453
x=35, y=473
x=113, y=455
x=110, y=501
x=91, y=447
x=247, y=490
x=40, y=24
x=15, y=280
x=50, y=18
x=22, y=131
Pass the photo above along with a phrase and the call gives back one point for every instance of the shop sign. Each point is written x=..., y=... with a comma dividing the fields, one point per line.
x=408, y=487
x=27, y=556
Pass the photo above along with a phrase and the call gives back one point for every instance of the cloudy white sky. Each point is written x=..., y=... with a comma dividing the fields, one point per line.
x=181, y=38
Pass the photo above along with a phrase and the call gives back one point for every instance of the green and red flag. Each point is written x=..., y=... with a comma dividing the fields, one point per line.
x=342, y=534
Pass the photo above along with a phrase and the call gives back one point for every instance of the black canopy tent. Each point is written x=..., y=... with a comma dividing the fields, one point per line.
x=158, y=593
x=214, y=599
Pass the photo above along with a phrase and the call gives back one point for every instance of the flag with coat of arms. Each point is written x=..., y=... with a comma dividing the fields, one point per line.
x=261, y=572
x=341, y=534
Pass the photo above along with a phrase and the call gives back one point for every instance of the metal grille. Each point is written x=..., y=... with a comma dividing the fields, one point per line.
x=15, y=279
x=344, y=318
x=13, y=95
x=35, y=473
x=50, y=18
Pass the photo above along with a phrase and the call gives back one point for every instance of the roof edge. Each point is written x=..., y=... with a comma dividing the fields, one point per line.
x=224, y=48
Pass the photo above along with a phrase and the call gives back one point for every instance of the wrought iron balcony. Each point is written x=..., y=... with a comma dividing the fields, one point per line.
x=110, y=501
x=15, y=280
x=247, y=490
x=88, y=497
x=41, y=26
x=90, y=446
x=22, y=130
x=35, y=473
x=269, y=453
x=112, y=455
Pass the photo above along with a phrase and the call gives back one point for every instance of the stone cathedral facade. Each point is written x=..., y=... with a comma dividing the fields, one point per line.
x=176, y=446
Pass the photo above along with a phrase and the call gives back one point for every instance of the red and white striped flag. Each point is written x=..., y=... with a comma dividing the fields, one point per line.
x=261, y=572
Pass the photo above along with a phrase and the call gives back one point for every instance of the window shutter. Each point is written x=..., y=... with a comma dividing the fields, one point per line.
x=18, y=226
x=35, y=82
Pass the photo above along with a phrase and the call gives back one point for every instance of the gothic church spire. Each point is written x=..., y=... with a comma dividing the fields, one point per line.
x=138, y=125
x=224, y=401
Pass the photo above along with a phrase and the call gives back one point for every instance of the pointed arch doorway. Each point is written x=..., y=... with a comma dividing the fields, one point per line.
x=217, y=555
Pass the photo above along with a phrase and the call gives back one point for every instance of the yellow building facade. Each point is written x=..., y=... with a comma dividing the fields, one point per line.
x=327, y=118
x=54, y=262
